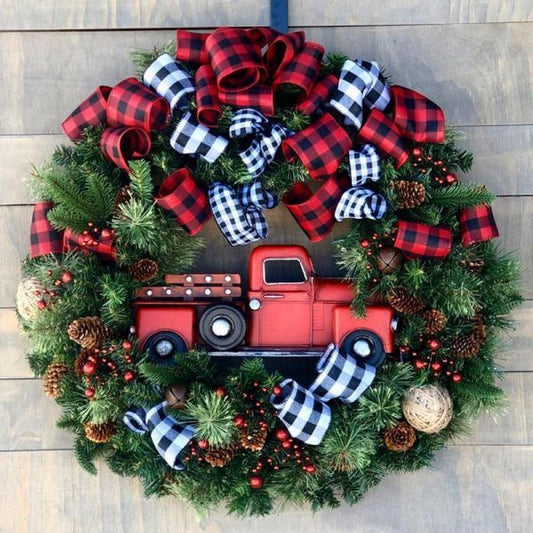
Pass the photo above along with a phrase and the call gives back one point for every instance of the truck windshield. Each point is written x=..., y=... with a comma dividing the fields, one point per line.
x=278, y=271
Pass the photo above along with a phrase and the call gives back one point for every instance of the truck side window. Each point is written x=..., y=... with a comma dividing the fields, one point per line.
x=283, y=271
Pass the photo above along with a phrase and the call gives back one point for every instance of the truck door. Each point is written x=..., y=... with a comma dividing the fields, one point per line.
x=285, y=313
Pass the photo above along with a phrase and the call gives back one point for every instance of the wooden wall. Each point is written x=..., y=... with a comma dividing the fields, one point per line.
x=473, y=57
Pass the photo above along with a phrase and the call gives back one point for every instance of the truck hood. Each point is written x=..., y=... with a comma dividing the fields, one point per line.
x=333, y=290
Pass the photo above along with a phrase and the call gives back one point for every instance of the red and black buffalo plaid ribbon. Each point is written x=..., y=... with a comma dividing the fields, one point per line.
x=190, y=46
x=259, y=97
x=235, y=58
x=320, y=147
x=421, y=240
x=208, y=109
x=262, y=36
x=122, y=144
x=303, y=70
x=477, y=224
x=103, y=247
x=381, y=131
x=282, y=51
x=314, y=213
x=91, y=112
x=44, y=239
x=320, y=94
x=185, y=200
x=416, y=116
x=131, y=104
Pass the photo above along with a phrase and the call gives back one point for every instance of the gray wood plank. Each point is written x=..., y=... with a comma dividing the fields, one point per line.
x=476, y=90
x=478, y=488
x=502, y=159
x=115, y=14
x=12, y=363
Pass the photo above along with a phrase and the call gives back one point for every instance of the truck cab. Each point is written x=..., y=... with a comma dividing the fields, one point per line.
x=287, y=309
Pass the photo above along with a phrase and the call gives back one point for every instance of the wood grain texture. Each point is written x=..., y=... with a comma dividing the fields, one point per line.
x=95, y=14
x=477, y=90
x=469, y=489
x=13, y=363
x=502, y=160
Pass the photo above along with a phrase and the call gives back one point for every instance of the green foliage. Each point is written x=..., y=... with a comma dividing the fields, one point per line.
x=380, y=407
x=460, y=195
x=142, y=59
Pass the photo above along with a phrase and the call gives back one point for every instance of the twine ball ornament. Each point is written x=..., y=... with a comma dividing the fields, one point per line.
x=428, y=408
x=29, y=293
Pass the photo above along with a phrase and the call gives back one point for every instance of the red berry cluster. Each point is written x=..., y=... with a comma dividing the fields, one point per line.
x=92, y=235
x=425, y=163
x=49, y=296
x=105, y=362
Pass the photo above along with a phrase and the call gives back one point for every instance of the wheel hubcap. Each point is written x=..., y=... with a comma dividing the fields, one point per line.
x=164, y=348
x=221, y=327
x=362, y=348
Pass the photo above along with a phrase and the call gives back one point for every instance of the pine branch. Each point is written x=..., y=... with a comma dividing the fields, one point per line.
x=460, y=195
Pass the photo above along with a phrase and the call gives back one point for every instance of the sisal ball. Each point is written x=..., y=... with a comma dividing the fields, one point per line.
x=29, y=293
x=428, y=408
x=389, y=260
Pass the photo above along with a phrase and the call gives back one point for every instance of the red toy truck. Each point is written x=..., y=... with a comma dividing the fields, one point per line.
x=288, y=310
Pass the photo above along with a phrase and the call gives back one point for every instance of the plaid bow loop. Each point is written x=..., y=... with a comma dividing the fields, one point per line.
x=319, y=96
x=477, y=224
x=44, y=239
x=238, y=212
x=364, y=165
x=190, y=46
x=305, y=416
x=341, y=376
x=119, y=145
x=169, y=436
x=360, y=202
x=421, y=240
x=103, y=247
x=192, y=138
x=208, y=110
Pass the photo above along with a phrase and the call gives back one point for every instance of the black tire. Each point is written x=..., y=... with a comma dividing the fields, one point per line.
x=231, y=327
x=164, y=346
x=377, y=354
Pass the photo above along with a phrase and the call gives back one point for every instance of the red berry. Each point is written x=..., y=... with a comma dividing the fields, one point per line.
x=89, y=368
x=285, y=444
x=282, y=434
x=433, y=344
x=126, y=345
x=238, y=420
x=419, y=365
x=436, y=366
x=203, y=444
x=66, y=277
x=106, y=233
x=220, y=392
x=89, y=392
x=456, y=377
x=310, y=469
x=450, y=178
x=277, y=390
x=417, y=152
x=256, y=482
x=41, y=304
x=365, y=243
x=129, y=375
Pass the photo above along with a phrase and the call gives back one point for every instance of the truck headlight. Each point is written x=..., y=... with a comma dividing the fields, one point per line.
x=254, y=304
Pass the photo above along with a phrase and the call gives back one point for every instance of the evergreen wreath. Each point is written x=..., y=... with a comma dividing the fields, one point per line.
x=104, y=225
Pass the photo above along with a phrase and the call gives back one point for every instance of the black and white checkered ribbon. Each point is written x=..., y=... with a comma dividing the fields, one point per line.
x=166, y=77
x=360, y=202
x=168, y=435
x=305, y=416
x=267, y=139
x=361, y=85
x=364, y=165
x=192, y=138
x=341, y=376
x=238, y=212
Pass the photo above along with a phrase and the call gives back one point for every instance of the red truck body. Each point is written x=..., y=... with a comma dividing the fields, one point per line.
x=287, y=308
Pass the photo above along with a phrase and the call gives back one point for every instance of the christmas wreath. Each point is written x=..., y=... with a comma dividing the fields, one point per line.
x=225, y=125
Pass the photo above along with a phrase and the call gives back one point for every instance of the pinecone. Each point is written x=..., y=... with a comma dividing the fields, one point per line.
x=252, y=438
x=52, y=379
x=410, y=193
x=82, y=358
x=89, y=332
x=100, y=433
x=400, y=438
x=475, y=265
x=479, y=333
x=219, y=457
x=143, y=269
x=123, y=195
x=465, y=346
x=402, y=301
x=435, y=321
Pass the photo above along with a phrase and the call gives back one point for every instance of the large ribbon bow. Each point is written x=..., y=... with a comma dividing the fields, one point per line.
x=267, y=138
x=169, y=436
x=238, y=212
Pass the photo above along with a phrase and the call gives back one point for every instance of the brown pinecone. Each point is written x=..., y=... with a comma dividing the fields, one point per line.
x=465, y=346
x=410, y=193
x=252, y=438
x=400, y=438
x=123, y=195
x=475, y=265
x=219, y=457
x=143, y=269
x=435, y=321
x=402, y=301
x=89, y=331
x=52, y=379
x=100, y=433
x=479, y=333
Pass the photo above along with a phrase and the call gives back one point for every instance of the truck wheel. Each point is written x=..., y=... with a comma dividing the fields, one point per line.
x=365, y=346
x=222, y=327
x=163, y=346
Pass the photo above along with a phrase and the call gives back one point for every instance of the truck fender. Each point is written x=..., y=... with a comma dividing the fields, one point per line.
x=156, y=319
